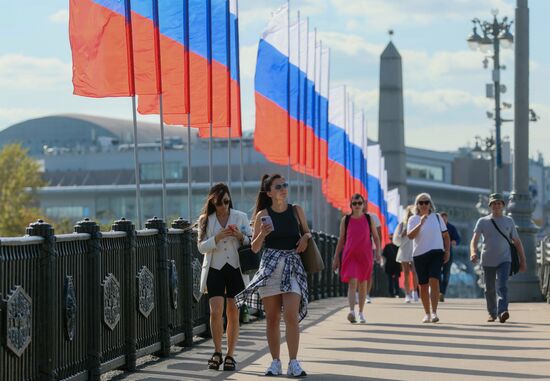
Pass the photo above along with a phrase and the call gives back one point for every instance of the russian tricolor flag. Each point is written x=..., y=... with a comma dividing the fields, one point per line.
x=271, y=82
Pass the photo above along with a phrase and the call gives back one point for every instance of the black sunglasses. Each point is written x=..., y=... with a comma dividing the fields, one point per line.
x=357, y=203
x=224, y=202
x=423, y=203
x=281, y=186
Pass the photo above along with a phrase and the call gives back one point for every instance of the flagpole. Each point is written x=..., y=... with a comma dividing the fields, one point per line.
x=189, y=167
x=298, y=153
x=136, y=164
x=209, y=54
x=242, y=171
x=228, y=45
x=288, y=92
x=162, y=159
x=132, y=84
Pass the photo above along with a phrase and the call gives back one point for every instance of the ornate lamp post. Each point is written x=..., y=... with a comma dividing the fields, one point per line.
x=494, y=33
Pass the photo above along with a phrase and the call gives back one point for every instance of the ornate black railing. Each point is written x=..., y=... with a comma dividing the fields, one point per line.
x=543, y=266
x=75, y=306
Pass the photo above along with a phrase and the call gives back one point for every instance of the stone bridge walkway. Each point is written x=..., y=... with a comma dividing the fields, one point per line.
x=393, y=345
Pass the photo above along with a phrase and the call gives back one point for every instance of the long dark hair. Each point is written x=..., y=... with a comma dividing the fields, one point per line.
x=263, y=200
x=215, y=196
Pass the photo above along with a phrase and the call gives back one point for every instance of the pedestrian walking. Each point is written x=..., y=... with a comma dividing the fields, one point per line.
x=392, y=268
x=430, y=250
x=281, y=281
x=499, y=233
x=354, y=254
x=405, y=257
x=446, y=268
x=222, y=230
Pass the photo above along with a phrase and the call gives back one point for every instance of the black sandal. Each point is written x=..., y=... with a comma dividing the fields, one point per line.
x=229, y=363
x=215, y=361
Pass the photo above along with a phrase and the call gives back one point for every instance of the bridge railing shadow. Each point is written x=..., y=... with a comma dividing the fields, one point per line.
x=75, y=306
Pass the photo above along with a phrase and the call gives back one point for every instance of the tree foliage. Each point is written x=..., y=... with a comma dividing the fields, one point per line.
x=20, y=178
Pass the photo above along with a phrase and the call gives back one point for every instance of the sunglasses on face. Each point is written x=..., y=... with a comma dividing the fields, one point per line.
x=223, y=202
x=281, y=186
x=357, y=203
x=423, y=203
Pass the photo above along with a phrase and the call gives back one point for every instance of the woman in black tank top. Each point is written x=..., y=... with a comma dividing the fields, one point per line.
x=281, y=281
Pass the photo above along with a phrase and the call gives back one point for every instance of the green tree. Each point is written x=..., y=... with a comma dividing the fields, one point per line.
x=20, y=178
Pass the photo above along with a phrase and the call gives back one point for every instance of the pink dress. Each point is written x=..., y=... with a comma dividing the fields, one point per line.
x=357, y=257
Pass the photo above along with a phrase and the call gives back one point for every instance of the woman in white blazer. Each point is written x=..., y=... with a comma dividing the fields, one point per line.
x=222, y=230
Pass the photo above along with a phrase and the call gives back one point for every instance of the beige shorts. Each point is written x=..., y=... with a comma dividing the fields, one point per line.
x=273, y=286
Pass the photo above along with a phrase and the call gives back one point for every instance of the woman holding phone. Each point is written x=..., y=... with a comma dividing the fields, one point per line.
x=281, y=280
x=222, y=230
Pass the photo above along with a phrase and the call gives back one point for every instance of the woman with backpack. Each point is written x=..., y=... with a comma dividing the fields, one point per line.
x=357, y=234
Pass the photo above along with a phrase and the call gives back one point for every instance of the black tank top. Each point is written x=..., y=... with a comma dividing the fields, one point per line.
x=286, y=232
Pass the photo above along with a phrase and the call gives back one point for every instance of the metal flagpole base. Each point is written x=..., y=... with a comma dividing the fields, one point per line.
x=524, y=287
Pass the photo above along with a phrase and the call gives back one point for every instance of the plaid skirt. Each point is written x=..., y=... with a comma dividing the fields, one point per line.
x=293, y=269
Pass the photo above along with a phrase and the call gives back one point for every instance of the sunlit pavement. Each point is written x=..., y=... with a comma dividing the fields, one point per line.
x=393, y=345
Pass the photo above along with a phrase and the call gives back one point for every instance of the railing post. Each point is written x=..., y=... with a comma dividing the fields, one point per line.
x=94, y=295
x=47, y=304
x=164, y=290
x=124, y=225
x=187, y=282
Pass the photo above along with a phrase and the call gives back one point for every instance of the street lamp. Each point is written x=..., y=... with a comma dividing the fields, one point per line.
x=494, y=33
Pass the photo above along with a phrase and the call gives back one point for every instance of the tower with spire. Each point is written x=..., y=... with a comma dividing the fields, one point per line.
x=391, y=126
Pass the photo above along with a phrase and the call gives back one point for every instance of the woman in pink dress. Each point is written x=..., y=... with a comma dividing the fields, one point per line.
x=355, y=245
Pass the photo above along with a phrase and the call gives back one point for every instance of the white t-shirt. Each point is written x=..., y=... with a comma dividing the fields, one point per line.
x=376, y=221
x=429, y=237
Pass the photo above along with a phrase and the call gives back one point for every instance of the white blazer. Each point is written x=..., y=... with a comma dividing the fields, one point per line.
x=208, y=244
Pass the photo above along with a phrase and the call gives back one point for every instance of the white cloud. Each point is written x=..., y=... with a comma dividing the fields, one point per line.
x=351, y=44
x=24, y=72
x=443, y=100
x=60, y=17
x=384, y=14
x=9, y=116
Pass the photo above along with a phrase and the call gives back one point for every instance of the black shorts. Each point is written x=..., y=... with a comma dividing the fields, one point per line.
x=428, y=265
x=225, y=282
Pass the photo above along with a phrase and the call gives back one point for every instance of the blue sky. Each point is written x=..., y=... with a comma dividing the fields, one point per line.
x=444, y=81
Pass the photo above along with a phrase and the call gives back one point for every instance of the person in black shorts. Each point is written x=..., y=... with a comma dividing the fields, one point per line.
x=431, y=247
x=222, y=230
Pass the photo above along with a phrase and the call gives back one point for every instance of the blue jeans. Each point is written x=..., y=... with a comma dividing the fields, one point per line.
x=496, y=284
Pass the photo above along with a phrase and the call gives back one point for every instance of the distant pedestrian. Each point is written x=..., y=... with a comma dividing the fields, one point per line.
x=354, y=254
x=498, y=232
x=281, y=280
x=430, y=250
x=392, y=268
x=405, y=257
x=446, y=269
x=222, y=230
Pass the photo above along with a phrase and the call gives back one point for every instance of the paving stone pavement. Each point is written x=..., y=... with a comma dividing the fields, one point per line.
x=392, y=345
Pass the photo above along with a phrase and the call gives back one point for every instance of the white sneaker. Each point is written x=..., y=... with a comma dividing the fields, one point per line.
x=275, y=369
x=407, y=299
x=368, y=299
x=362, y=319
x=426, y=319
x=415, y=296
x=295, y=369
x=435, y=319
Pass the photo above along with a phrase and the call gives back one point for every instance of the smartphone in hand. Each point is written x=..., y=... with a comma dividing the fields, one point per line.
x=266, y=220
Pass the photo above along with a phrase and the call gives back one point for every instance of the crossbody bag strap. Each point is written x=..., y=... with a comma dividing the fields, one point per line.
x=500, y=231
x=300, y=227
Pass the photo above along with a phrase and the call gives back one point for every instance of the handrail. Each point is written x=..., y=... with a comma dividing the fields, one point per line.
x=72, y=237
x=21, y=241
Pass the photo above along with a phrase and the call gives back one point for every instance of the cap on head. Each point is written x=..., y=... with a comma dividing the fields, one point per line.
x=496, y=197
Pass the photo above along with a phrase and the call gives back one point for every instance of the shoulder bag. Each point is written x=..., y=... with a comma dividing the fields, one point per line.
x=311, y=257
x=514, y=268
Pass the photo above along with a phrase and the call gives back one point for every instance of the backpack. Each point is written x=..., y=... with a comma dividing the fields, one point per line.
x=346, y=223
